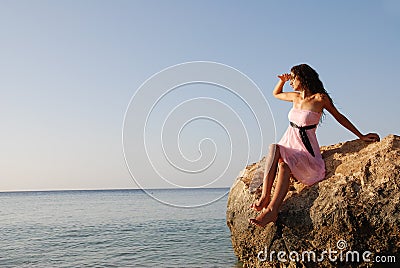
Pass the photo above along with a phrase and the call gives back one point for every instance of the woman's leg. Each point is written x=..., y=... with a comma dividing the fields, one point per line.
x=281, y=188
x=271, y=164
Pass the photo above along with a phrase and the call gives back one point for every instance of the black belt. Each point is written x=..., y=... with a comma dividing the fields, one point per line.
x=304, y=137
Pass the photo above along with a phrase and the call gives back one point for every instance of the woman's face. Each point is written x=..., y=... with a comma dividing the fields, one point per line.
x=294, y=82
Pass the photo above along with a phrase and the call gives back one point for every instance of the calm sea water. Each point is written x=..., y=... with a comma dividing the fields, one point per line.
x=118, y=228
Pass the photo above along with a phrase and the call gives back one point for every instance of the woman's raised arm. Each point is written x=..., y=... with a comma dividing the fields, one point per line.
x=286, y=96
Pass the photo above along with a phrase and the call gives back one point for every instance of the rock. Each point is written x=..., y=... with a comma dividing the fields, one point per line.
x=356, y=208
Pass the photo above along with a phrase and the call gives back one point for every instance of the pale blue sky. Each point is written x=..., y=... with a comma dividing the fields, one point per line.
x=68, y=70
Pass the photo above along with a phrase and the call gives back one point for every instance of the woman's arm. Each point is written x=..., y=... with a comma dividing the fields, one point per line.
x=328, y=105
x=286, y=96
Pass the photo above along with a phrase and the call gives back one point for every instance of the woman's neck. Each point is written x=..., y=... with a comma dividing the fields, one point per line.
x=305, y=94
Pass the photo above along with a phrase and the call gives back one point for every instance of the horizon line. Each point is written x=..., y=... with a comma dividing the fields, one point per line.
x=108, y=189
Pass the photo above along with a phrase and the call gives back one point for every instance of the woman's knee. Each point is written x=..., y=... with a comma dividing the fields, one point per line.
x=274, y=148
x=284, y=167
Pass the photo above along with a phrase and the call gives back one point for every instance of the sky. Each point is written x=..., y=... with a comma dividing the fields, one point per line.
x=69, y=71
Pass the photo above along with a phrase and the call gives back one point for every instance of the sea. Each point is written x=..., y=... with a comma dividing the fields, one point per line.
x=115, y=228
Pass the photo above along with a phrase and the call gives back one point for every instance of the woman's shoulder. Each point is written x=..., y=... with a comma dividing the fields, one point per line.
x=324, y=99
x=320, y=96
x=317, y=102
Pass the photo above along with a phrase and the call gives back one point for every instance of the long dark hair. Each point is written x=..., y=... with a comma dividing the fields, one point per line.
x=309, y=78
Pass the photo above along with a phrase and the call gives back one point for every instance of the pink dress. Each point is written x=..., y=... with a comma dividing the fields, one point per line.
x=304, y=167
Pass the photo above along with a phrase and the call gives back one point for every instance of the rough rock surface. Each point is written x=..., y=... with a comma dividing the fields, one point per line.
x=358, y=204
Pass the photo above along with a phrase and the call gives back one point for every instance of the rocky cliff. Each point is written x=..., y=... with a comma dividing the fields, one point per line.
x=352, y=218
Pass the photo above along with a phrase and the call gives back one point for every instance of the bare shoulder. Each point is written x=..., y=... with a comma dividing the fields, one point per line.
x=321, y=97
x=327, y=104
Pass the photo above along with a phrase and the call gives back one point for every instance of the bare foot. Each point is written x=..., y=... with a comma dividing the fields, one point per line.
x=264, y=218
x=260, y=204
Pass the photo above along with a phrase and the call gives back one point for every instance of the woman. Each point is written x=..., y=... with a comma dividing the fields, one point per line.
x=298, y=153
